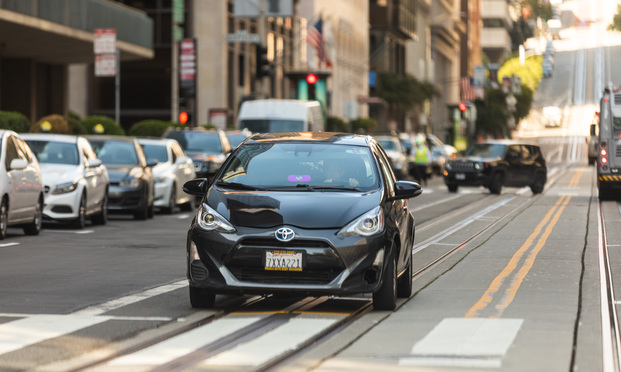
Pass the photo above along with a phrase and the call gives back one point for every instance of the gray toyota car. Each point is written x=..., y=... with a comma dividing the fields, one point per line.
x=305, y=213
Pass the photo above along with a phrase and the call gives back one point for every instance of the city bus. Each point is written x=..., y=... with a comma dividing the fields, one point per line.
x=609, y=156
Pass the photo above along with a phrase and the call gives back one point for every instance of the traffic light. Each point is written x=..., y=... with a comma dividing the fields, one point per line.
x=184, y=117
x=462, y=107
x=311, y=79
x=263, y=63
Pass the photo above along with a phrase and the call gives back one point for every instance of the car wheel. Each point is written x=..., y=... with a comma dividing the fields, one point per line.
x=80, y=222
x=496, y=186
x=172, y=201
x=385, y=298
x=201, y=298
x=34, y=227
x=604, y=193
x=452, y=187
x=151, y=211
x=4, y=218
x=189, y=206
x=538, y=184
x=404, y=287
x=102, y=217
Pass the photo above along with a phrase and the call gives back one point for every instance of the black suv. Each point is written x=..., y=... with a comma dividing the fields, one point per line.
x=495, y=164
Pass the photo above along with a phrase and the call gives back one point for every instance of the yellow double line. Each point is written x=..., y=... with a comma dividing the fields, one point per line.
x=509, y=294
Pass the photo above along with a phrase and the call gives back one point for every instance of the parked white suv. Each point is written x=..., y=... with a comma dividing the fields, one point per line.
x=76, y=181
x=21, y=186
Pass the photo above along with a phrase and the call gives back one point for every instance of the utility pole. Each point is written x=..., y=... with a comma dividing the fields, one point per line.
x=260, y=87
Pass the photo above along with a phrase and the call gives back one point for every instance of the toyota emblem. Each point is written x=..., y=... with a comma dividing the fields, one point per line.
x=284, y=234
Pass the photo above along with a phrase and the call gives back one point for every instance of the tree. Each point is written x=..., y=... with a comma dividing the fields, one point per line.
x=492, y=114
x=402, y=92
x=616, y=20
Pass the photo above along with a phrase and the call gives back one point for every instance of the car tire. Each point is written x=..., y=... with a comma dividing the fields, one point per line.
x=80, y=222
x=4, y=218
x=34, y=228
x=496, y=186
x=189, y=206
x=452, y=187
x=200, y=298
x=142, y=213
x=151, y=211
x=172, y=201
x=385, y=298
x=404, y=286
x=101, y=218
x=538, y=184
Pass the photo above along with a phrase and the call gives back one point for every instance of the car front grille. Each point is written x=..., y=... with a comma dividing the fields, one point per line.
x=462, y=165
x=322, y=264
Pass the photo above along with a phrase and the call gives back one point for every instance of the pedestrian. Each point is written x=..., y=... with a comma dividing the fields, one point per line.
x=421, y=160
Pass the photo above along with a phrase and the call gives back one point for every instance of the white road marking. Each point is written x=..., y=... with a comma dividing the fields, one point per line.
x=185, y=343
x=128, y=300
x=23, y=332
x=281, y=340
x=8, y=244
x=465, y=342
x=69, y=231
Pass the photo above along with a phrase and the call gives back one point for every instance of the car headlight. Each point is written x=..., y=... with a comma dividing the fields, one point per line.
x=208, y=219
x=448, y=166
x=368, y=224
x=161, y=179
x=478, y=166
x=130, y=182
x=64, y=188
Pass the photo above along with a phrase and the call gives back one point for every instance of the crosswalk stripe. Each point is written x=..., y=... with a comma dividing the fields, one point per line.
x=184, y=344
x=17, y=334
x=282, y=339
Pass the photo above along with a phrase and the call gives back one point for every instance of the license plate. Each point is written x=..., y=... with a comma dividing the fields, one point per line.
x=283, y=260
x=460, y=176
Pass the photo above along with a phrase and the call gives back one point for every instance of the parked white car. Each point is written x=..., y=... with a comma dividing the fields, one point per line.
x=76, y=181
x=21, y=186
x=173, y=169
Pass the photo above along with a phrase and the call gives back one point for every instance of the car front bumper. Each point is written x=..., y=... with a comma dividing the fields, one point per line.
x=468, y=178
x=235, y=262
x=124, y=199
x=62, y=207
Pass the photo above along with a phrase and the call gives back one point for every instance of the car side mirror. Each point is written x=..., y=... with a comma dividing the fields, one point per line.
x=406, y=190
x=93, y=163
x=151, y=162
x=197, y=186
x=18, y=164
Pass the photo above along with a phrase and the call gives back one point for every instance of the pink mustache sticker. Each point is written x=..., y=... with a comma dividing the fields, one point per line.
x=296, y=178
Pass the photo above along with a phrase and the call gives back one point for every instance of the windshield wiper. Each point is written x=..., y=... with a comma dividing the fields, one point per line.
x=237, y=185
x=307, y=187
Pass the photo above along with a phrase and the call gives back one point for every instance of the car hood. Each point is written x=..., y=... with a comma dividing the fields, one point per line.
x=309, y=210
x=59, y=173
x=117, y=173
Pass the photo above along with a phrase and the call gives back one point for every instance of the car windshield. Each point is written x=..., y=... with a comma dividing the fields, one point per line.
x=273, y=125
x=197, y=141
x=115, y=152
x=297, y=166
x=54, y=152
x=156, y=152
x=485, y=150
x=235, y=138
x=388, y=144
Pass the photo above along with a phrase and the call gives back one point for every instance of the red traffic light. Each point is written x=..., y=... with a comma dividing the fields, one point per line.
x=462, y=107
x=183, y=117
x=311, y=78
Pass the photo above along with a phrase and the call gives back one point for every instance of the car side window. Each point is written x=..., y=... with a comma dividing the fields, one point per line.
x=11, y=152
x=385, y=169
x=23, y=151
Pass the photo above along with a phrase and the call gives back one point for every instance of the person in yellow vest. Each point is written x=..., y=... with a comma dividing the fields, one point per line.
x=421, y=158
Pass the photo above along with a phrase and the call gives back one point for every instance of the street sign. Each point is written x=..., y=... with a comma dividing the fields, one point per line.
x=105, y=41
x=178, y=11
x=242, y=36
x=105, y=65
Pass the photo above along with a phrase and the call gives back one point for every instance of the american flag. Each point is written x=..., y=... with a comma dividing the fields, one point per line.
x=467, y=90
x=315, y=40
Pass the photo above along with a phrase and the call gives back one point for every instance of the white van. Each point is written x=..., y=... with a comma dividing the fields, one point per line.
x=280, y=115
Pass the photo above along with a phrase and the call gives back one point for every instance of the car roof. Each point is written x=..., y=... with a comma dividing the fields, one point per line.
x=156, y=140
x=110, y=138
x=333, y=138
x=50, y=136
